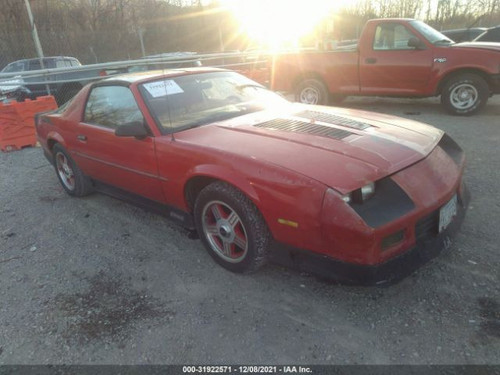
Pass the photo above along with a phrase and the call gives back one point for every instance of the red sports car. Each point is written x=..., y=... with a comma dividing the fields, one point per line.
x=346, y=194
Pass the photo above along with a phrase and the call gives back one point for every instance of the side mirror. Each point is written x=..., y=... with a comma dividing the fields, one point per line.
x=416, y=43
x=132, y=129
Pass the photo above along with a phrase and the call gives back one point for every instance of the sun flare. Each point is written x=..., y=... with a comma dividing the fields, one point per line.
x=278, y=23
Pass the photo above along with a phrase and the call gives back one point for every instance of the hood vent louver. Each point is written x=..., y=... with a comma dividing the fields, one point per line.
x=332, y=119
x=297, y=126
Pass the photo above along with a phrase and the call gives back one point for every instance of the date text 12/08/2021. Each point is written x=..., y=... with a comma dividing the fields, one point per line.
x=246, y=369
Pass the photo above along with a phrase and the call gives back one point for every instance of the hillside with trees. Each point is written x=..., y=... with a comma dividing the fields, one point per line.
x=108, y=30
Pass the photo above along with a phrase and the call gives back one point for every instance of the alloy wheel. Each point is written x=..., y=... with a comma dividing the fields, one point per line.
x=464, y=96
x=224, y=231
x=65, y=171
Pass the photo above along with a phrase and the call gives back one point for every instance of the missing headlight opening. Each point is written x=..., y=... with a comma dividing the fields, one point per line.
x=364, y=193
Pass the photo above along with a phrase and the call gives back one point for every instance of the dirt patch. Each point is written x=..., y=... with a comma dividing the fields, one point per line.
x=108, y=308
x=490, y=315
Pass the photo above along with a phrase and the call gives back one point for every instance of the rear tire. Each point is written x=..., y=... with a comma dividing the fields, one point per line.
x=465, y=94
x=72, y=179
x=312, y=91
x=231, y=228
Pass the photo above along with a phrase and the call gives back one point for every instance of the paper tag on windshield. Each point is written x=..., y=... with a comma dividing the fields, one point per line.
x=163, y=88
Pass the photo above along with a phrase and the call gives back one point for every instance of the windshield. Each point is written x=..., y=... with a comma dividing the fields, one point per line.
x=184, y=102
x=432, y=35
x=17, y=66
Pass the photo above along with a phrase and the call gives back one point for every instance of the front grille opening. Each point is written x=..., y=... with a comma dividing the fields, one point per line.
x=304, y=127
x=427, y=227
x=392, y=240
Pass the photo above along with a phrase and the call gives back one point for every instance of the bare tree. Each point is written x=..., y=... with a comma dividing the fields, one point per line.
x=15, y=36
x=106, y=30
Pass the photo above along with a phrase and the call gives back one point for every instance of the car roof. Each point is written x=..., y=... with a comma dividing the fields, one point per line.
x=390, y=19
x=45, y=58
x=140, y=77
x=464, y=30
x=492, y=34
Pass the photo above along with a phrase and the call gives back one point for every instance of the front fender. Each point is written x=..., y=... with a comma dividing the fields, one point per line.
x=226, y=174
x=290, y=203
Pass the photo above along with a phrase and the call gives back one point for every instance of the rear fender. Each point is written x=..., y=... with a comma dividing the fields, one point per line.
x=52, y=138
x=48, y=144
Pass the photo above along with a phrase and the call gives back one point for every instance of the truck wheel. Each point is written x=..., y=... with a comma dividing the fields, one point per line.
x=465, y=94
x=231, y=228
x=70, y=176
x=311, y=91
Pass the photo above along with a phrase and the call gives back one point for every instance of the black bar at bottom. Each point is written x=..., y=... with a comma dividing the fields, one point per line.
x=250, y=369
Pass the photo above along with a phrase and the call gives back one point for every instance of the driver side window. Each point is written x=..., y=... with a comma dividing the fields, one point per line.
x=111, y=106
x=390, y=36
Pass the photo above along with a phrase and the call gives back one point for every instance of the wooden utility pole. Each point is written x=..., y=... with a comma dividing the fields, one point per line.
x=36, y=40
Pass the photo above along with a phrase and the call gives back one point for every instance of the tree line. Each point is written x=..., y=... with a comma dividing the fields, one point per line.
x=108, y=30
x=440, y=14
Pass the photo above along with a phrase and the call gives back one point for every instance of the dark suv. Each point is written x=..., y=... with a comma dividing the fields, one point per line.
x=48, y=63
x=490, y=35
x=62, y=85
x=464, y=35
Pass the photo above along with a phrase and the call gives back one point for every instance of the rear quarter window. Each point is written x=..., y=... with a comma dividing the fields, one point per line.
x=47, y=64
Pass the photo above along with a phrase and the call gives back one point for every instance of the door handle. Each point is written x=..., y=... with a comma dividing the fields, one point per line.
x=371, y=60
x=81, y=137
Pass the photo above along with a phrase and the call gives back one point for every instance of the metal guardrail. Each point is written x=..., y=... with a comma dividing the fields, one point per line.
x=48, y=75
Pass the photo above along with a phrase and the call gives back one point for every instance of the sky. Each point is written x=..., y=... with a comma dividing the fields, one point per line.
x=279, y=22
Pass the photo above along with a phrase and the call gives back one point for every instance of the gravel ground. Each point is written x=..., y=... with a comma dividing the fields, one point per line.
x=99, y=281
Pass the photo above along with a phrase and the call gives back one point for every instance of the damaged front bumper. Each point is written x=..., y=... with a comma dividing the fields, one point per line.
x=389, y=272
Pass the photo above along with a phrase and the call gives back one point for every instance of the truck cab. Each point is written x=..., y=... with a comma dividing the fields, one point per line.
x=395, y=57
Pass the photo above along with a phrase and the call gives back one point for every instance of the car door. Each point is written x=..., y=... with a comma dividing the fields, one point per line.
x=124, y=162
x=390, y=66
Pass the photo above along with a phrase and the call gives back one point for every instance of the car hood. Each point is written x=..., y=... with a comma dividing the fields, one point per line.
x=342, y=148
x=478, y=45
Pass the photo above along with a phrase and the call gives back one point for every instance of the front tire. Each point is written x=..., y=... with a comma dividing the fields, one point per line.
x=465, y=94
x=72, y=179
x=231, y=228
x=312, y=91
